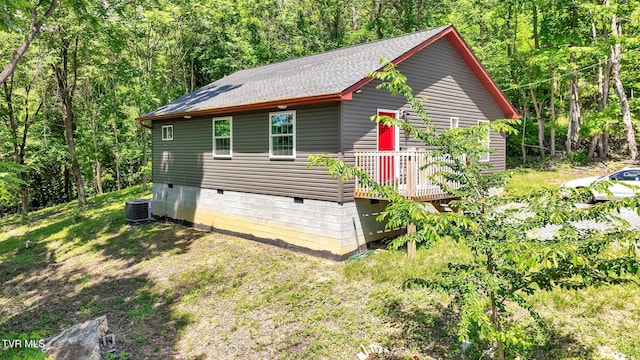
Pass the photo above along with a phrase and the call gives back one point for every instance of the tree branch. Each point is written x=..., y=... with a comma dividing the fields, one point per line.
x=34, y=29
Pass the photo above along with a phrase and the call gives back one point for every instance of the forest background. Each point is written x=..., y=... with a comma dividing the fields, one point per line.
x=76, y=74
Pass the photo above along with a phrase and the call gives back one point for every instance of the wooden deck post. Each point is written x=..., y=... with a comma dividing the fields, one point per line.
x=410, y=179
x=411, y=246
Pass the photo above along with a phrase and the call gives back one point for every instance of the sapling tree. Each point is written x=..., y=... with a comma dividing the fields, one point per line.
x=519, y=244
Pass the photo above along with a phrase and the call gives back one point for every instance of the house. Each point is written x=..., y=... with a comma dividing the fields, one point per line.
x=232, y=156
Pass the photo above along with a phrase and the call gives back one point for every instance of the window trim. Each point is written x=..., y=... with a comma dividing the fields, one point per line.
x=213, y=146
x=457, y=121
x=167, y=138
x=487, y=158
x=288, y=157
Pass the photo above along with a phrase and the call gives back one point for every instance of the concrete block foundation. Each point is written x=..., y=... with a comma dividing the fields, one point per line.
x=323, y=228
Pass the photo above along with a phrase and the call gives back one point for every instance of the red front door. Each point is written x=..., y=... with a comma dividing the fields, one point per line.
x=386, y=142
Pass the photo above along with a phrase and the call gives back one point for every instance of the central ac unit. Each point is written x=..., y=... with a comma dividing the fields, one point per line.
x=138, y=210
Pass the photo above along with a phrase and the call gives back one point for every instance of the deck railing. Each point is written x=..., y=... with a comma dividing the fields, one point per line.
x=408, y=172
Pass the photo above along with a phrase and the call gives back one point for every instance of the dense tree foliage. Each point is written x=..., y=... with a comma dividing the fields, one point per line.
x=90, y=68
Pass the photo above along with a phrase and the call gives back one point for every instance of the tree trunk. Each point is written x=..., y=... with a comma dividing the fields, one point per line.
x=507, y=30
x=96, y=166
x=67, y=183
x=24, y=208
x=538, y=109
x=99, y=177
x=376, y=14
x=605, y=144
x=67, y=115
x=552, y=134
x=18, y=148
x=65, y=96
x=536, y=35
x=573, y=136
x=96, y=159
x=354, y=17
x=117, y=156
x=495, y=317
x=524, y=130
x=19, y=140
x=115, y=133
x=496, y=324
x=34, y=29
x=603, y=94
x=515, y=32
x=595, y=140
x=624, y=103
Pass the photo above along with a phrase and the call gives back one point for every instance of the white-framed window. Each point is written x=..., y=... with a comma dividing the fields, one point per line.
x=282, y=135
x=167, y=132
x=453, y=122
x=223, y=137
x=487, y=140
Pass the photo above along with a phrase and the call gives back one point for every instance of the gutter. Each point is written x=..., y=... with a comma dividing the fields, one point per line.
x=140, y=122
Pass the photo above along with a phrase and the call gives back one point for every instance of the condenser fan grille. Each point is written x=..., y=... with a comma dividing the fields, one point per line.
x=138, y=210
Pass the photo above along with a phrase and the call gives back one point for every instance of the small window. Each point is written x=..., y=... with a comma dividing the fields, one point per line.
x=167, y=132
x=222, y=137
x=453, y=122
x=487, y=140
x=282, y=135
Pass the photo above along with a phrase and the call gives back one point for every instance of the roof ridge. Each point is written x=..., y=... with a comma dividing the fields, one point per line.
x=341, y=48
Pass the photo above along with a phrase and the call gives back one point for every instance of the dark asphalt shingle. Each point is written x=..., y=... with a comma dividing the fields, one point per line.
x=325, y=73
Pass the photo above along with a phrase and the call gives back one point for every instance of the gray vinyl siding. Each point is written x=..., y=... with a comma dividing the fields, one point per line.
x=452, y=90
x=187, y=159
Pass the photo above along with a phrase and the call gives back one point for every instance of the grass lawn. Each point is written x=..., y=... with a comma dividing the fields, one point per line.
x=175, y=292
x=524, y=180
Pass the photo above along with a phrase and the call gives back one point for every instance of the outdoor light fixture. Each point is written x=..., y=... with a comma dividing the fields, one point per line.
x=282, y=107
x=187, y=116
x=404, y=114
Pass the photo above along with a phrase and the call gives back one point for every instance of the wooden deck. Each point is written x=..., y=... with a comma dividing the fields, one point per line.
x=408, y=172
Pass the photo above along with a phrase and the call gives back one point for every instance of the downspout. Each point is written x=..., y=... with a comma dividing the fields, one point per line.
x=341, y=152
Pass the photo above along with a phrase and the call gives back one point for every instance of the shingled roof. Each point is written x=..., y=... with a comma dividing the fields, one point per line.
x=324, y=77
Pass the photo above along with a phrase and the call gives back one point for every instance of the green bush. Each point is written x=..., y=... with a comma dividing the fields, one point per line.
x=578, y=158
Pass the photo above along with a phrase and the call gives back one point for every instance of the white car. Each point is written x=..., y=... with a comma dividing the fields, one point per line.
x=627, y=175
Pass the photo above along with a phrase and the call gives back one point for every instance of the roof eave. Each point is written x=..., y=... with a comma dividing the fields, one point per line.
x=263, y=105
